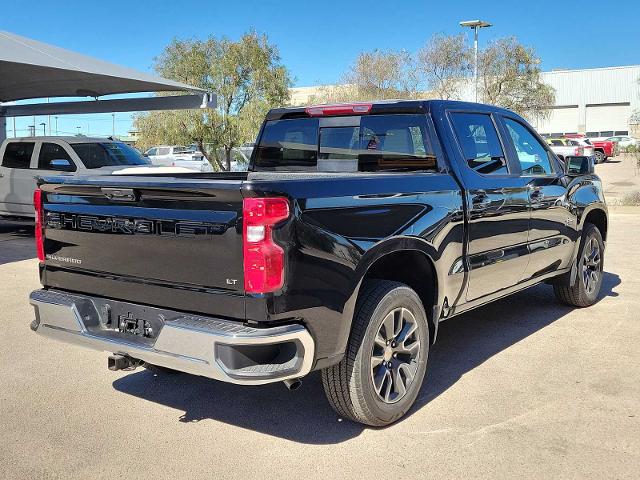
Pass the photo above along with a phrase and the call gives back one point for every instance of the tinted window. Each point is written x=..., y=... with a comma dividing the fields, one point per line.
x=96, y=155
x=556, y=143
x=163, y=151
x=395, y=142
x=151, y=151
x=17, y=155
x=533, y=156
x=480, y=143
x=52, y=151
x=288, y=145
x=339, y=149
x=381, y=142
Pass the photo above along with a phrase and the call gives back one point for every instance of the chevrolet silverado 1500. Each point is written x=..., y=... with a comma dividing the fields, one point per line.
x=357, y=229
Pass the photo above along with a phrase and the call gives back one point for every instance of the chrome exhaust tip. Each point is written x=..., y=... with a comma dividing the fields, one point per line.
x=292, y=383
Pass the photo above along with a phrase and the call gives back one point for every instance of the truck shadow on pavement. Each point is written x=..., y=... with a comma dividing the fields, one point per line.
x=304, y=415
x=16, y=242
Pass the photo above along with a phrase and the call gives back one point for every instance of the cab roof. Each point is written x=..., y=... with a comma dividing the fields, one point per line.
x=380, y=107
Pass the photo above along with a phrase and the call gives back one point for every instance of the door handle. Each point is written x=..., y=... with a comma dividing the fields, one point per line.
x=536, y=195
x=480, y=200
x=1, y=175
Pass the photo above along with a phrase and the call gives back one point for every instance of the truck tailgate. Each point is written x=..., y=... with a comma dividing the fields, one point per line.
x=177, y=237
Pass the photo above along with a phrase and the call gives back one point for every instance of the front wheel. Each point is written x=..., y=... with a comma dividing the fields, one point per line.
x=380, y=376
x=590, y=263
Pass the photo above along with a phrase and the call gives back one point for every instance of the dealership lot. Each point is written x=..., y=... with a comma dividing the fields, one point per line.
x=522, y=387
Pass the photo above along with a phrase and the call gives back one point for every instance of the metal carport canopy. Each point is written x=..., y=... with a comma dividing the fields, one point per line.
x=30, y=69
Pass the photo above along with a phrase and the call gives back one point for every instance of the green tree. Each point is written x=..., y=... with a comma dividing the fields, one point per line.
x=374, y=75
x=445, y=64
x=510, y=77
x=248, y=79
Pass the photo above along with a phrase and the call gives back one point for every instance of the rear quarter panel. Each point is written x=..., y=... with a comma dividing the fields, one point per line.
x=340, y=227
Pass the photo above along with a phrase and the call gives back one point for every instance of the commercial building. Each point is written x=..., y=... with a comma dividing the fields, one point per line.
x=595, y=101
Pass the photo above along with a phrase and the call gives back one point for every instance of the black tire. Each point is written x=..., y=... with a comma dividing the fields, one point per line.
x=588, y=282
x=350, y=385
x=600, y=158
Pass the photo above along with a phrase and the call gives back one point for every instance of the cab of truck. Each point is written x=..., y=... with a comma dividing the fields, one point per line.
x=23, y=160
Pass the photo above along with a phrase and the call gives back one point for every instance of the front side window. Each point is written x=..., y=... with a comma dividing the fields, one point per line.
x=480, y=143
x=533, y=156
x=18, y=155
x=53, y=151
x=108, y=154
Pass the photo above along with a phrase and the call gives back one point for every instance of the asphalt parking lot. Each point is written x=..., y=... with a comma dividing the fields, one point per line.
x=524, y=387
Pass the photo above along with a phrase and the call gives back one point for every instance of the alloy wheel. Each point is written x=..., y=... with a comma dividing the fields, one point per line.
x=395, y=354
x=591, y=265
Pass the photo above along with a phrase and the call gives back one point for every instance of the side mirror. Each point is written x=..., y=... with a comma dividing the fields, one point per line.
x=60, y=163
x=576, y=166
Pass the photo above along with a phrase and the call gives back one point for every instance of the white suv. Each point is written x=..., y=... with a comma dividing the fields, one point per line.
x=178, y=156
x=22, y=160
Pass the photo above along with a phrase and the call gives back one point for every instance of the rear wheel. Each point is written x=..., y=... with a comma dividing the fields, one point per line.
x=584, y=292
x=384, y=365
x=600, y=158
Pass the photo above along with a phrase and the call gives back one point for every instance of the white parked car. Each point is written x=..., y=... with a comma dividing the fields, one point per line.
x=178, y=156
x=22, y=160
x=587, y=147
x=567, y=147
x=624, y=141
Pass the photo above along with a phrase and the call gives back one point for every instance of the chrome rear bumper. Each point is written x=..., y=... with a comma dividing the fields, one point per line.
x=206, y=346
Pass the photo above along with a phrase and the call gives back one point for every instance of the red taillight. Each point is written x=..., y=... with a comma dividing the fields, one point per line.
x=37, y=203
x=344, y=109
x=263, y=258
x=578, y=152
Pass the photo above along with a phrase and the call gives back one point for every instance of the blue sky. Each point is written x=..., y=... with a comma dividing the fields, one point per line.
x=318, y=40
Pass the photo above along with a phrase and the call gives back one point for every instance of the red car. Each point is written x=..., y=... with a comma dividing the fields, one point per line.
x=603, y=149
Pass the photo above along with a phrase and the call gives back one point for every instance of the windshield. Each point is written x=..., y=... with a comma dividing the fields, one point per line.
x=108, y=154
x=368, y=144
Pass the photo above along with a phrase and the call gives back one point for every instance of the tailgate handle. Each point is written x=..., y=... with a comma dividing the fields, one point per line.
x=119, y=194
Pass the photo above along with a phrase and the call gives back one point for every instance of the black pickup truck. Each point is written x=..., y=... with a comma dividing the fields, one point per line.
x=357, y=229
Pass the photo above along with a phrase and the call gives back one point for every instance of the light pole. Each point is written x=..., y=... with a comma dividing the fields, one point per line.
x=44, y=129
x=475, y=25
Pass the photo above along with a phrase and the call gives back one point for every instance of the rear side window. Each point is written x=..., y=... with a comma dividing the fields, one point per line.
x=480, y=143
x=380, y=142
x=18, y=155
x=53, y=151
